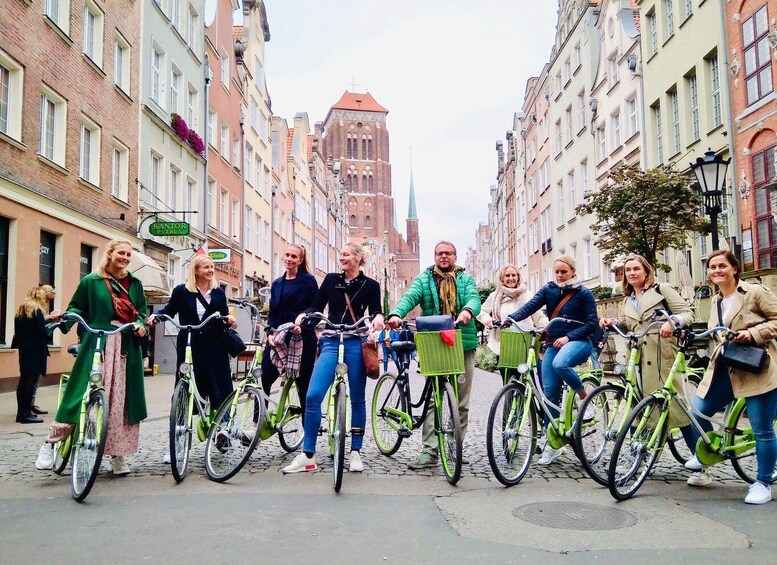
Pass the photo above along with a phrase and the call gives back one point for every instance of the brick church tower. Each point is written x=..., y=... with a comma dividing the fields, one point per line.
x=356, y=136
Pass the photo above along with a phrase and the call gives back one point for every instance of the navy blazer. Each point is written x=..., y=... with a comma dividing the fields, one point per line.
x=32, y=340
x=282, y=312
x=184, y=304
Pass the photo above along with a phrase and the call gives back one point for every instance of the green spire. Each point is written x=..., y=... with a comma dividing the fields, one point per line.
x=412, y=214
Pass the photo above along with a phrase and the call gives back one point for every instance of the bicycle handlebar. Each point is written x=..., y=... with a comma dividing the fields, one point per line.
x=77, y=318
x=511, y=322
x=244, y=304
x=728, y=331
x=206, y=321
x=628, y=335
x=360, y=324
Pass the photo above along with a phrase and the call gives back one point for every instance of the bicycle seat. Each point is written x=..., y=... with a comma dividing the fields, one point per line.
x=403, y=345
x=73, y=349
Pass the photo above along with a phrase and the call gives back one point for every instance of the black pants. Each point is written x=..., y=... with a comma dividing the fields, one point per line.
x=25, y=392
x=270, y=372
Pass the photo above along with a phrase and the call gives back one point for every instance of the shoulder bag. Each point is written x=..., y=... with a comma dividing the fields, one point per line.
x=556, y=310
x=369, y=349
x=123, y=307
x=229, y=339
x=742, y=356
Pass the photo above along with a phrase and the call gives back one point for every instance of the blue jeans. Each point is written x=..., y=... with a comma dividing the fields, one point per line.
x=558, y=366
x=761, y=410
x=323, y=377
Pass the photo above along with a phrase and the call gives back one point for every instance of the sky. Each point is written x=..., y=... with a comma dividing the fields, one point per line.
x=451, y=73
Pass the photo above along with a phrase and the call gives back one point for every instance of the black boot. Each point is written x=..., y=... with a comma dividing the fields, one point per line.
x=28, y=419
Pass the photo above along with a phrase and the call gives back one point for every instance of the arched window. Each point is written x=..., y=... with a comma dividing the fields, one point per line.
x=367, y=222
x=369, y=149
x=372, y=184
x=356, y=183
x=348, y=147
x=365, y=185
x=352, y=221
x=364, y=147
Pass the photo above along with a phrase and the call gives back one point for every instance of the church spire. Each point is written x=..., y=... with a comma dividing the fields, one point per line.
x=412, y=214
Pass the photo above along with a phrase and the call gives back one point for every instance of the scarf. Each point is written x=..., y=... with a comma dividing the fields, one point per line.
x=574, y=282
x=447, y=290
x=505, y=293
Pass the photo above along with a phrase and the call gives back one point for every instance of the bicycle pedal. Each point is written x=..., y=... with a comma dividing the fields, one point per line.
x=404, y=432
x=295, y=410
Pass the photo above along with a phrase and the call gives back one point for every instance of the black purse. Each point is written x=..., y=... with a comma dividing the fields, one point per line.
x=229, y=339
x=742, y=356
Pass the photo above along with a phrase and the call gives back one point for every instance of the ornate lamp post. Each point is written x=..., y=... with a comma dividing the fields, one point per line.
x=710, y=172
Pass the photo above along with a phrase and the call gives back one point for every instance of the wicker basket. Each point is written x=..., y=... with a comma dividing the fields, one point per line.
x=513, y=349
x=436, y=358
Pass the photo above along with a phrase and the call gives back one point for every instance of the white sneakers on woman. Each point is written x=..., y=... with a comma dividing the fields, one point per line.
x=119, y=467
x=758, y=493
x=45, y=460
x=301, y=464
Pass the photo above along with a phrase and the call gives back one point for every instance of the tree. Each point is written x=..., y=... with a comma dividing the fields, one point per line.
x=644, y=212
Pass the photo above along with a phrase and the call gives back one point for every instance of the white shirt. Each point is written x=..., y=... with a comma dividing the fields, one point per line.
x=200, y=307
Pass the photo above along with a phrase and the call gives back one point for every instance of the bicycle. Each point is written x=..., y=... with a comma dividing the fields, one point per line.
x=612, y=402
x=88, y=437
x=337, y=427
x=185, y=398
x=392, y=405
x=63, y=447
x=641, y=440
x=243, y=419
x=514, y=417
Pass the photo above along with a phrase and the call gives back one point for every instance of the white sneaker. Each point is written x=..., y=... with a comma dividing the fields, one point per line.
x=119, y=467
x=701, y=478
x=166, y=456
x=758, y=493
x=45, y=460
x=590, y=412
x=549, y=455
x=355, y=462
x=693, y=464
x=300, y=464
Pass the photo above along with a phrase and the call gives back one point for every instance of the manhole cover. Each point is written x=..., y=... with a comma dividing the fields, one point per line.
x=574, y=516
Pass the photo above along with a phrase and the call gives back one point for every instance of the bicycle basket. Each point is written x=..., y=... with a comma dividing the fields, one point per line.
x=436, y=358
x=513, y=349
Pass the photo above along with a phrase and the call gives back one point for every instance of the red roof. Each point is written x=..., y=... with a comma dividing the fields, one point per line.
x=358, y=101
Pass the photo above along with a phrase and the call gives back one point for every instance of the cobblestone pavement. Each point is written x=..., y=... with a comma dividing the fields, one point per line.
x=19, y=449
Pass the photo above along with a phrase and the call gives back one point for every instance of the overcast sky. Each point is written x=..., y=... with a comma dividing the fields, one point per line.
x=451, y=73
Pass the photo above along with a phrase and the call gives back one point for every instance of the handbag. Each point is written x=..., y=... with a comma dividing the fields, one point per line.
x=556, y=310
x=229, y=339
x=742, y=356
x=122, y=305
x=369, y=349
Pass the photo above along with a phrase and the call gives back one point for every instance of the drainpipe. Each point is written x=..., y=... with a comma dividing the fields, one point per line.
x=725, y=88
x=206, y=132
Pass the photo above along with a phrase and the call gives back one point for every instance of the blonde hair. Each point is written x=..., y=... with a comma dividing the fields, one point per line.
x=303, y=253
x=650, y=278
x=35, y=300
x=570, y=261
x=49, y=290
x=106, y=259
x=358, y=251
x=191, y=280
x=499, y=291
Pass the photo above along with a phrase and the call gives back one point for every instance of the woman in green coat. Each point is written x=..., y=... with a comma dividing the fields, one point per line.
x=122, y=359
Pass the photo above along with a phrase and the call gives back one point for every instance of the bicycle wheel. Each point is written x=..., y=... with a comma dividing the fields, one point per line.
x=62, y=451
x=234, y=434
x=386, y=402
x=674, y=440
x=745, y=463
x=590, y=383
x=338, y=436
x=180, y=432
x=511, y=434
x=636, y=450
x=88, y=450
x=290, y=430
x=449, y=434
x=594, y=437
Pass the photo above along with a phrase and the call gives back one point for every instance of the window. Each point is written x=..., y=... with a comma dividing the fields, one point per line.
x=47, y=258
x=266, y=184
x=191, y=195
x=248, y=162
x=258, y=75
x=631, y=107
x=93, y=32
x=212, y=201
x=53, y=119
x=192, y=26
x=570, y=124
x=558, y=137
x=693, y=92
x=659, y=133
x=717, y=110
x=236, y=152
x=120, y=171
x=58, y=11
x=223, y=213
x=584, y=176
x=254, y=114
x=224, y=69
x=175, y=12
x=615, y=121
x=587, y=263
x=758, y=67
x=612, y=69
x=572, y=194
x=212, y=120
x=156, y=77
x=669, y=17
x=225, y=141
x=174, y=190
x=191, y=104
x=653, y=29
x=11, y=93
x=262, y=125
x=559, y=84
x=175, y=89
x=675, y=105
x=4, y=253
x=765, y=227
x=560, y=192
x=266, y=240
x=89, y=158
x=581, y=111
x=121, y=64
x=687, y=9
x=248, y=216
x=533, y=237
x=86, y=260
x=601, y=137
x=567, y=70
x=576, y=58
x=151, y=194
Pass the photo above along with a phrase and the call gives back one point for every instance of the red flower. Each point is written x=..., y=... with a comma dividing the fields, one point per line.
x=179, y=126
x=196, y=143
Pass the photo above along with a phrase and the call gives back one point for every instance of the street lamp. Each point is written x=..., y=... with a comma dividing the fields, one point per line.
x=710, y=172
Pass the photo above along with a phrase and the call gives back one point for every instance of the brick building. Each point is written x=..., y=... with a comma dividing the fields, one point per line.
x=68, y=149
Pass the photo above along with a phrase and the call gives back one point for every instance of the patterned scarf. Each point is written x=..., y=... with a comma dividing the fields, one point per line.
x=447, y=290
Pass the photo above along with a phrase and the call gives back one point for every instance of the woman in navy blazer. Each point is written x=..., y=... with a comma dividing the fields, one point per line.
x=211, y=361
x=291, y=294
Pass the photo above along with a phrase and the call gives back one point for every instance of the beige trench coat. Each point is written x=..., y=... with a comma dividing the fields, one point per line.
x=656, y=360
x=754, y=309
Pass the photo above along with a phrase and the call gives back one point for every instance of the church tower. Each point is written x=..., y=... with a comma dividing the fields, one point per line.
x=413, y=239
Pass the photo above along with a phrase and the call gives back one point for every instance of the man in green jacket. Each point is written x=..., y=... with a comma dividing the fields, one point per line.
x=444, y=289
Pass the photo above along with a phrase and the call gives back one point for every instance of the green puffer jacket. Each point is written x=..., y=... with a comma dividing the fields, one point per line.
x=423, y=292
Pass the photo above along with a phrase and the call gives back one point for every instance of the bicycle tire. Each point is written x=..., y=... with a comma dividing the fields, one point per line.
x=234, y=434
x=511, y=434
x=745, y=464
x=385, y=427
x=290, y=430
x=62, y=451
x=590, y=383
x=449, y=434
x=338, y=436
x=631, y=458
x=180, y=431
x=594, y=439
x=87, y=454
x=674, y=441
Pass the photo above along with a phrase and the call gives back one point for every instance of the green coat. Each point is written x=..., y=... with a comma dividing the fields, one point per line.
x=93, y=303
x=423, y=291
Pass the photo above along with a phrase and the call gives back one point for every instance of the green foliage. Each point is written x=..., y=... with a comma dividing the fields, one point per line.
x=644, y=212
x=484, y=291
x=602, y=292
x=485, y=358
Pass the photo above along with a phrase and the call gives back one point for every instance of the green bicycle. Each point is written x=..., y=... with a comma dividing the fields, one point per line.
x=644, y=433
x=514, y=417
x=63, y=447
x=86, y=443
x=611, y=404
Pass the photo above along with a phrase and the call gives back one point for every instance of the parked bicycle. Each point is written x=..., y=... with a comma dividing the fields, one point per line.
x=63, y=447
x=514, y=417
